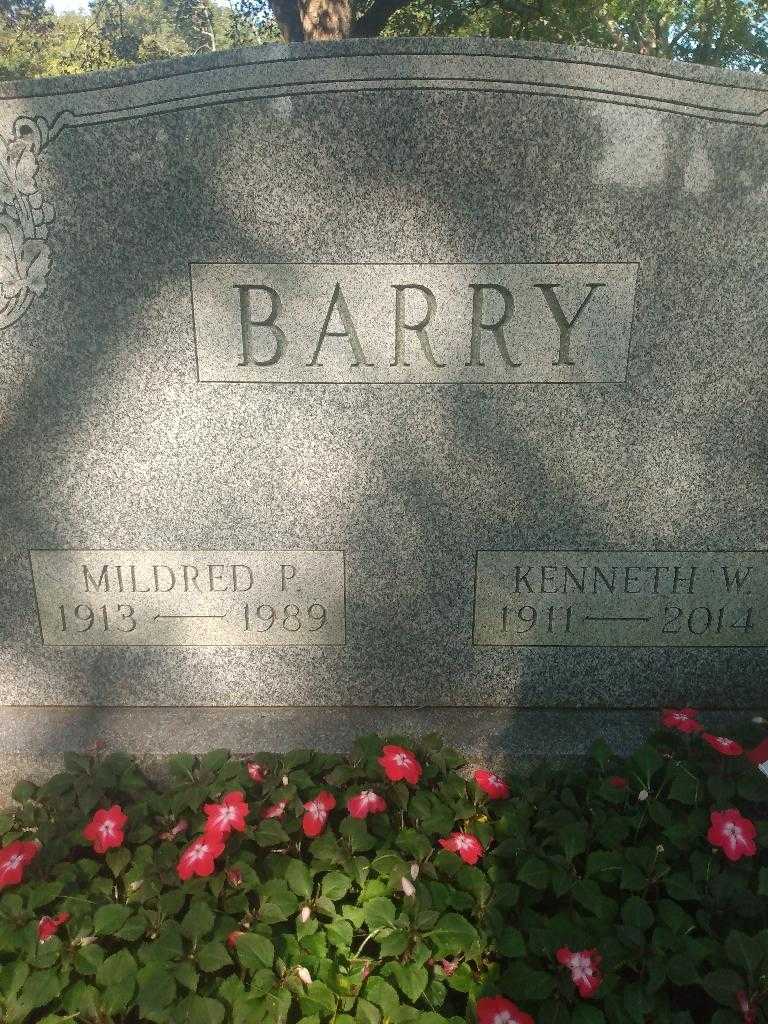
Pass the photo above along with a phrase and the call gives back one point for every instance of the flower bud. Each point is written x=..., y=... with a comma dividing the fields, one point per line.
x=304, y=974
x=758, y=720
x=305, y=914
x=643, y=795
x=414, y=871
x=408, y=887
x=659, y=848
x=284, y=780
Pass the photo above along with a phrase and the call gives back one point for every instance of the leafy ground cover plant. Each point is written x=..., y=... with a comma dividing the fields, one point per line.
x=390, y=886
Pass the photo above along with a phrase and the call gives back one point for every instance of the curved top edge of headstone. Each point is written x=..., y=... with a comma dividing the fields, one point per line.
x=464, y=47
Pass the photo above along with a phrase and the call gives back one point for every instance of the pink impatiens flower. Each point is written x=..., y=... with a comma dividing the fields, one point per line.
x=467, y=846
x=198, y=858
x=13, y=859
x=366, y=803
x=255, y=771
x=313, y=821
x=682, y=719
x=106, y=829
x=228, y=815
x=498, y=1010
x=274, y=810
x=584, y=967
x=492, y=784
x=399, y=763
x=232, y=939
x=734, y=834
x=747, y=1010
x=48, y=926
x=723, y=745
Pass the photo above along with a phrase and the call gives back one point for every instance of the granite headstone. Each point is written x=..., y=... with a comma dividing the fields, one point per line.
x=401, y=385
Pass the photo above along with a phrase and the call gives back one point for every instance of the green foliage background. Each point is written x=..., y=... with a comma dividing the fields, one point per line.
x=119, y=33
x=570, y=860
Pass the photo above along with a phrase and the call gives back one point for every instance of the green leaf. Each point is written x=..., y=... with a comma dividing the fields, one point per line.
x=340, y=933
x=110, y=919
x=723, y=985
x=23, y=791
x=299, y=879
x=380, y=912
x=573, y=839
x=197, y=921
x=367, y=1013
x=637, y=913
x=271, y=833
x=39, y=988
x=511, y=943
x=157, y=988
x=278, y=903
x=745, y=952
x=382, y=994
x=356, y=833
x=212, y=956
x=118, y=860
x=534, y=872
x=335, y=885
x=89, y=958
x=583, y=1013
x=195, y=1009
x=452, y=934
x=255, y=952
x=411, y=979
x=319, y=999
x=117, y=969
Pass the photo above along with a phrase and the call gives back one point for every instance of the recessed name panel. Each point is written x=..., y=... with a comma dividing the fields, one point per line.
x=190, y=598
x=462, y=323
x=621, y=598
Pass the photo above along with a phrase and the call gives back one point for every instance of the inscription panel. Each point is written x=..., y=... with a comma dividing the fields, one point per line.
x=621, y=598
x=190, y=598
x=413, y=323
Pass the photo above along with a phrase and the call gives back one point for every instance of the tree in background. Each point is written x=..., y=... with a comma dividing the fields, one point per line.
x=120, y=33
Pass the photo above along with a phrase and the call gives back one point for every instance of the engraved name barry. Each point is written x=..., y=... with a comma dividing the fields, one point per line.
x=487, y=323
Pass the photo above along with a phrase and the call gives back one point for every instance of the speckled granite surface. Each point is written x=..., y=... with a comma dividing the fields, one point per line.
x=397, y=151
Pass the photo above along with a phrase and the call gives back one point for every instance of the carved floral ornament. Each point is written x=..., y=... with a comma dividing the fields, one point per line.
x=25, y=257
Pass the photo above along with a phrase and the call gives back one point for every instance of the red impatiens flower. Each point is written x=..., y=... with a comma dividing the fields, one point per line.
x=229, y=814
x=255, y=771
x=313, y=822
x=232, y=939
x=498, y=1010
x=618, y=782
x=746, y=1009
x=495, y=787
x=399, y=763
x=106, y=829
x=366, y=803
x=723, y=745
x=198, y=858
x=682, y=719
x=468, y=847
x=13, y=859
x=733, y=833
x=275, y=810
x=584, y=967
x=48, y=926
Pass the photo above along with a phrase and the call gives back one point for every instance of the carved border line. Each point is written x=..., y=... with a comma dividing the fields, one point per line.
x=25, y=216
x=724, y=115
